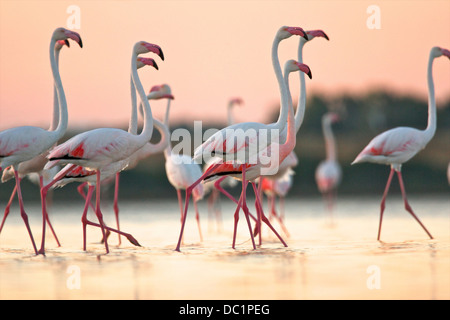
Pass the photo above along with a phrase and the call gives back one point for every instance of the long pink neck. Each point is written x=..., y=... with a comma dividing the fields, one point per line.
x=287, y=147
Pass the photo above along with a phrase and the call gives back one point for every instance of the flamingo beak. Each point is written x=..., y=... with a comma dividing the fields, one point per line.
x=67, y=43
x=446, y=53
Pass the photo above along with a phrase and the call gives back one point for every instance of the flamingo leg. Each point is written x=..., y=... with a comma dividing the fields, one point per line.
x=383, y=200
x=81, y=192
x=98, y=212
x=8, y=206
x=116, y=203
x=244, y=204
x=236, y=220
x=84, y=219
x=218, y=186
x=47, y=217
x=264, y=218
x=186, y=204
x=22, y=210
x=407, y=206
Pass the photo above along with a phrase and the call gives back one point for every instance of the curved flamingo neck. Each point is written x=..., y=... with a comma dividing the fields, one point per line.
x=284, y=108
x=147, y=130
x=168, y=149
x=55, y=119
x=330, y=143
x=301, y=104
x=133, y=124
x=63, y=116
x=431, y=126
x=289, y=144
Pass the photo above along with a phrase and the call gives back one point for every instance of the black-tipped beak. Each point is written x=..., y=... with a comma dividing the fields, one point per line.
x=80, y=43
x=325, y=36
x=155, y=66
x=67, y=43
x=309, y=74
x=305, y=36
x=161, y=54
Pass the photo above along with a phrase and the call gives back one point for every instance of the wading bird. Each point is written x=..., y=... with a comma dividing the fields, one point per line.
x=396, y=146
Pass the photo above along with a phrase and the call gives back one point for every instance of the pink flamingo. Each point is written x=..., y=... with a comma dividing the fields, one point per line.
x=131, y=162
x=88, y=177
x=329, y=174
x=291, y=161
x=98, y=148
x=396, y=146
x=35, y=166
x=25, y=143
x=283, y=33
x=182, y=172
x=248, y=158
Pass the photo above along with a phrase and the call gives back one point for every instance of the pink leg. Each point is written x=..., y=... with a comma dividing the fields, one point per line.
x=407, y=206
x=22, y=210
x=80, y=190
x=228, y=195
x=8, y=206
x=383, y=200
x=85, y=222
x=264, y=218
x=116, y=203
x=47, y=218
x=186, y=205
x=244, y=205
x=98, y=212
x=236, y=220
x=44, y=191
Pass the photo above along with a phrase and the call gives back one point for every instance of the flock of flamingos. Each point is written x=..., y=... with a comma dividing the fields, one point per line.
x=95, y=156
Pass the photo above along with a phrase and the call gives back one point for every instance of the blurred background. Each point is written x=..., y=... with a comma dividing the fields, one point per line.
x=372, y=71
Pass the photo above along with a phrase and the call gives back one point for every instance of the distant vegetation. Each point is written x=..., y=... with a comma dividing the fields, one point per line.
x=362, y=118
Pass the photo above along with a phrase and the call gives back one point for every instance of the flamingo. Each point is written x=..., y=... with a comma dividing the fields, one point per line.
x=88, y=177
x=147, y=150
x=25, y=143
x=34, y=167
x=291, y=161
x=100, y=147
x=283, y=33
x=396, y=146
x=328, y=173
x=247, y=166
x=182, y=172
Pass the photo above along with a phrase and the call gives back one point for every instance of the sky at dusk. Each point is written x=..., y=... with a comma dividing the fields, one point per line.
x=214, y=50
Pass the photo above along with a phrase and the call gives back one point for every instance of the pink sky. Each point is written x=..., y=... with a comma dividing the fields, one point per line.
x=214, y=50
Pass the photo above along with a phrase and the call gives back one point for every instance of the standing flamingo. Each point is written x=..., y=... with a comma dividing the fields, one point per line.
x=88, y=177
x=396, y=146
x=291, y=161
x=24, y=143
x=249, y=155
x=147, y=150
x=34, y=167
x=182, y=172
x=328, y=173
x=98, y=148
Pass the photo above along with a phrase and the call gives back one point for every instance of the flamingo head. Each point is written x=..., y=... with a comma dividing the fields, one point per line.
x=316, y=33
x=162, y=91
x=235, y=101
x=144, y=47
x=61, y=43
x=438, y=51
x=292, y=65
x=63, y=34
x=332, y=117
x=286, y=32
x=142, y=62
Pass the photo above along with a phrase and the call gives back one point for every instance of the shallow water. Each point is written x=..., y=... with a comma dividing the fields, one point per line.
x=322, y=261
